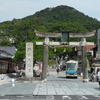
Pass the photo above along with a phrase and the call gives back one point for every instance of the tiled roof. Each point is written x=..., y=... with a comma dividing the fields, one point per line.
x=10, y=50
x=90, y=47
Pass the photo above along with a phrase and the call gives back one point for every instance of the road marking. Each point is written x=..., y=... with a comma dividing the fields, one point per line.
x=20, y=96
x=97, y=96
x=51, y=97
x=4, y=81
x=64, y=97
x=82, y=97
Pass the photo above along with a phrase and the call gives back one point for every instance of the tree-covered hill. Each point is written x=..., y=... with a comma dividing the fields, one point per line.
x=64, y=13
x=58, y=19
x=26, y=26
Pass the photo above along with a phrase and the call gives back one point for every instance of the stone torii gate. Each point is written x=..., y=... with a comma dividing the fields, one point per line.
x=45, y=52
x=83, y=44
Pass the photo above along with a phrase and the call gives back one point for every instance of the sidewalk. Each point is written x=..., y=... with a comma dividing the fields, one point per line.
x=55, y=85
x=4, y=78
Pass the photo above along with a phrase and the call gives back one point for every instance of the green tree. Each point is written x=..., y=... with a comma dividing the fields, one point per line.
x=20, y=53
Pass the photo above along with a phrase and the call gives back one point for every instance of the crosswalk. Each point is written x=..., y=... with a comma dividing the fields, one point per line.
x=51, y=97
x=73, y=97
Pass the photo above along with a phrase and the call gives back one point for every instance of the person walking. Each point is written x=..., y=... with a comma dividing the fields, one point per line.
x=58, y=70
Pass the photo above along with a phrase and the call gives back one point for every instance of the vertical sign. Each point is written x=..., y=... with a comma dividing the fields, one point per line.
x=65, y=38
x=29, y=60
x=98, y=41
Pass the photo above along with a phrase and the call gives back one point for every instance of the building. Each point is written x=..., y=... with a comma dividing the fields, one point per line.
x=7, y=65
x=89, y=48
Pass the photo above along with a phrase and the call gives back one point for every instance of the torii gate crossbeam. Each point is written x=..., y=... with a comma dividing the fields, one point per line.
x=71, y=35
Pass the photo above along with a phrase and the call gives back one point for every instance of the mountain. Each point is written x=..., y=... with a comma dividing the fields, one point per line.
x=56, y=19
x=64, y=13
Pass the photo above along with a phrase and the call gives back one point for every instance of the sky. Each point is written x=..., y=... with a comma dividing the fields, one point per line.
x=17, y=9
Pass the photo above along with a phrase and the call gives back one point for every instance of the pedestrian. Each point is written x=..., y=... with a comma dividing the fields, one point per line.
x=48, y=71
x=98, y=72
x=58, y=70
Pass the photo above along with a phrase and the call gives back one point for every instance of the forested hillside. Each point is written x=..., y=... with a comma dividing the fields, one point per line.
x=59, y=19
x=64, y=14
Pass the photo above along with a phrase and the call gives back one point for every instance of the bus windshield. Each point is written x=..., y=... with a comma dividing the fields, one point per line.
x=71, y=66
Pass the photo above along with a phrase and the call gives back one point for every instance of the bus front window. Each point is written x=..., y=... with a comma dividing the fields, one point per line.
x=71, y=66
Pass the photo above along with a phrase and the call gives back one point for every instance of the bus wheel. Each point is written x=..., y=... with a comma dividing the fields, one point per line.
x=66, y=76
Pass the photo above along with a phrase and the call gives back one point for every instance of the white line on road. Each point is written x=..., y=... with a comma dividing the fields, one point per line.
x=65, y=97
x=97, y=96
x=82, y=97
x=51, y=97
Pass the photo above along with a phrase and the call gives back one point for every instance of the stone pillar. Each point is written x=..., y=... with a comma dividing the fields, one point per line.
x=29, y=60
x=84, y=60
x=45, y=59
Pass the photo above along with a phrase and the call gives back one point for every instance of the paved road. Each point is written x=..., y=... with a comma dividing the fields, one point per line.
x=57, y=87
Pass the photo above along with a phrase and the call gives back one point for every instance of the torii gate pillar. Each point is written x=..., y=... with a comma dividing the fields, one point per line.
x=84, y=60
x=45, y=52
x=45, y=60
